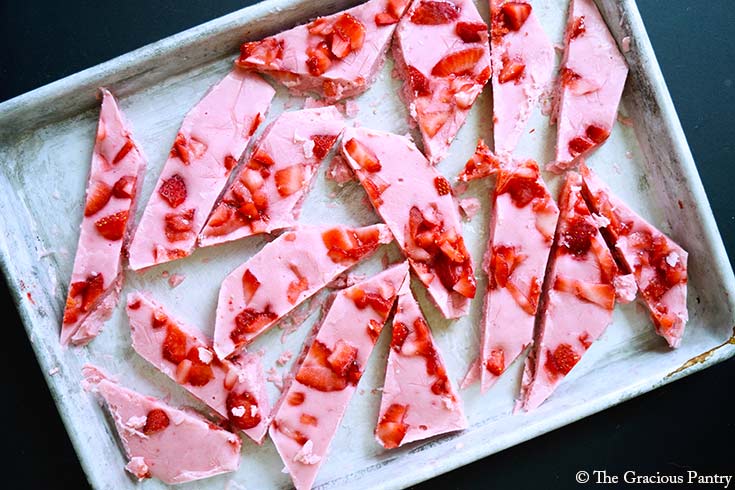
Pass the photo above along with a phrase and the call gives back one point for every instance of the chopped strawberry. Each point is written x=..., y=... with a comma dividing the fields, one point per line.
x=567, y=77
x=250, y=321
x=471, y=32
x=320, y=27
x=319, y=59
x=503, y=262
x=97, y=198
x=515, y=14
x=173, y=190
x=134, y=305
x=495, y=362
x=579, y=145
x=578, y=28
x=375, y=191
x=265, y=51
x=155, y=421
x=179, y=226
x=230, y=162
x=349, y=28
x=397, y=7
x=242, y=410
x=433, y=13
x=297, y=287
x=400, y=332
x=511, y=71
x=257, y=120
x=602, y=295
x=159, y=319
x=584, y=339
x=261, y=157
x=174, y=345
x=200, y=373
x=363, y=299
x=596, y=133
x=391, y=430
x=482, y=164
x=322, y=144
x=317, y=373
x=385, y=19
x=373, y=329
x=523, y=188
x=339, y=45
x=458, y=63
x=330, y=88
x=307, y=419
x=562, y=360
x=123, y=151
x=432, y=122
x=290, y=180
x=363, y=155
x=342, y=357
x=90, y=290
x=484, y=75
x=112, y=227
x=345, y=245
x=250, y=285
x=124, y=187
x=442, y=186
x=417, y=81
x=577, y=236
x=296, y=398
x=180, y=149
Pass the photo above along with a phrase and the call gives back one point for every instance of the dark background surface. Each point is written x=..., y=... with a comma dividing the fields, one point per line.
x=682, y=426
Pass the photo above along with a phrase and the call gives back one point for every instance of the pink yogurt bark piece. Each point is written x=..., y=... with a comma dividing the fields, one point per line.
x=590, y=85
x=209, y=144
x=578, y=297
x=658, y=264
x=286, y=272
x=267, y=193
x=236, y=390
x=335, y=57
x=523, y=61
x=521, y=232
x=114, y=179
x=416, y=203
x=442, y=54
x=161, y=441
x=312, y=405
x=418, y=399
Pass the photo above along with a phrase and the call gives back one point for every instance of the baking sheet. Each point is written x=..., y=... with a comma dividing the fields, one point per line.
x=46, y=139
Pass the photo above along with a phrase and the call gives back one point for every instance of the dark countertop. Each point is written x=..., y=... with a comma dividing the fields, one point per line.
x=682, y=426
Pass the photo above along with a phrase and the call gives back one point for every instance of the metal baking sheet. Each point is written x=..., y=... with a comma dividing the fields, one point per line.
x=46, y=139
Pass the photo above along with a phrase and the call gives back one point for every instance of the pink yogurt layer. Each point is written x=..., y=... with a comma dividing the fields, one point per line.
x=657, y=263
x=286, y=272
x=310, y=410
x=223, y=385
x=591, y=83
x=442, y=54
x=267, y=193
x=522, y=225
x=578, y=297
x=515, y=96
x=419, y=400
x=117, y=169
x=416, y=203
x=209, y=144
x=161, y=441
x=335, y=57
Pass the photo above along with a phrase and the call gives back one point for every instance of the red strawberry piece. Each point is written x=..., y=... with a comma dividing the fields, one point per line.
x=317, y=373
x=418, y=82
x=495, y=362
x=94, y=287
x=484, y=75
x=503, y=262
x=466, y=285
x=577, y=236
x=346, y=245
x=230, y=162
x=374, y=191
x=348, y=27
x=342, y=357
x=339, y=45
x=90, y=290
x=568, y=77
x=265, y=51
x=397, y=7
x=471, y=32
x=257, y=120
x=432, y=122
x=98, y=197
x=250, y=321
x=124, y=187
x=200, y=373
x=173, y=190
x=433, y=13
x=123, y=151
x=578, y=28
x=250, y=285
x=290, y=180
x=515, y=14
x=112, y=227
x=320, y=27
x=322, y=144
x=400, y=332
x=584, y=339
x=522, y=188
x=363, y=299
x=296, y=398
x=385, y=19
x=159, y=319
x=155, y=421
x=330, y=88
x=174, y=345
x=262, y=157
x=373, y=330
x=242, y=410
x=562, y=360
x=180, y=149
x=319, y=59
x=307, y=419
x=296, y=435
x=579, y=145
x=602, y=295
x=134, y=305
x=511, y=71
x=363, y=155
x=391, y=430
x=442, y=186
x=458, y=63
x=295, y=288
x=596, y=133
x=179, y=226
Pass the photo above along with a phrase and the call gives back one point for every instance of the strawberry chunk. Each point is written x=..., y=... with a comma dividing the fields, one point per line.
x=178, y=226
x=442, y=186
x=155, y=421
x=317, y=373
x=418, y=82
x=180, y=149
x=375, y=188
x=563, y=359
x=349, y=28
x=390, y=429
x=98, y=197
x=397, y=7
x=511, y=71
x=515, y=14
x=523, y=188
x=250, y=285
x=230, y=162
x=458, y=63
x=578, y=28
x=432, y=122
x=89, y=291
x=322, y=144
x=242, y=410
x=174, y=345
x=319, y=59
x=400, y=332
x=296, y=398
x=373, y=330
x=124, y=187
x=596, y=133
x=346, y=245
x=342, y=357
x=250, y=321
x=503, y=262
x=495, y=363
x=123, y=151
x=579, y=145
x=375, y=300
x=433, y=13
x=159, y=319
x=363, y=155
x=261, y=157
x=265, y=51
x=577, y=236
x=200, y=373
x=568, y=77
x=112, y=227
x=600, y=294
x=320, y=27
x=471, y=32
x=290, y=180
x=385, y=19
x=295, y=288
x=173, y=190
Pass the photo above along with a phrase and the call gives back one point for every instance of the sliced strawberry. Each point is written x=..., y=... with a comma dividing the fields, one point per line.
x=363, y=155
x=511, y=71
x=296, y=398
x=417, y=81
x=123, y=151
x=290, y=180
x=523, y=188
x=265, y=51
x=134, y=305
x=322, y=144
x=471, y=32
x=173, y=190
x=112, y=227
x=339, y=45
x=363, y=299
x=458, y=63
x=397, y=7
x=97, y=198
x=180, y=149
x=159, y=319
x=155, y=421
x=579, y=145
x=124, y=187
x=345, y=245
x=351, y=29
x=250, y=285
x=179, y=226
x=317, y=373
x=330, y=88
x=577, y=236
x=433, y=13
x=442, y=186
x=482, y=164
x=257, y=120
x=342, y=357
x=297, y=287
x=200, y=373
x=94, y=287
x=375, y=188
x=373, y=330
x=563, y=359
x=261, y=157
x=578, y=28
x=495, y=362
x=400, y=332
x=584, y=339
x=432, y=122
x=319, y=59
x=250, y=321
x=320, y=27
x=385, y=19
x=596, y=133
x=390, y=429
x=503, y=262
x=174, y=345
x=568, y=77
x=90, y=290
x=242, y=410
x=230, y=162
x=515, y=14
